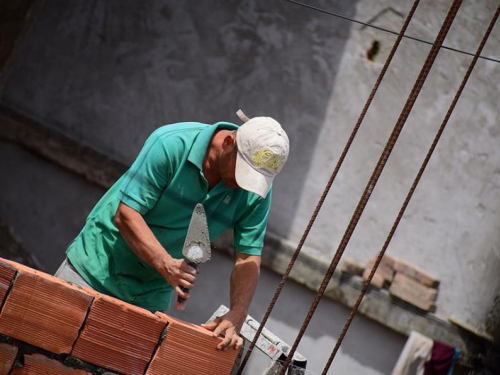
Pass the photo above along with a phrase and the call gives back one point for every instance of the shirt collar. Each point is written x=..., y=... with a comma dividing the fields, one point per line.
x=200, y=145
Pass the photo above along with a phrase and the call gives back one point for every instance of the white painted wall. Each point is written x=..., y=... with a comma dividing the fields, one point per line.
x=450, y=228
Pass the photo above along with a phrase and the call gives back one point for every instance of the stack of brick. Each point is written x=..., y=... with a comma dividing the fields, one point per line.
x=403, y=281
x=385, y=272
x=414, y=286
x=48, y=326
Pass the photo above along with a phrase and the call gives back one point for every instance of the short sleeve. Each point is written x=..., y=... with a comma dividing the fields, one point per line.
x=148, y=176
x=250, y=229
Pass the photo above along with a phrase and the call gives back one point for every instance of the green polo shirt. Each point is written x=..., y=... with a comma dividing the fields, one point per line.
x=164, y=184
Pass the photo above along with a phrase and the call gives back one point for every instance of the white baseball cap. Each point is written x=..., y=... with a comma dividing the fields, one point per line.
x=262, y=151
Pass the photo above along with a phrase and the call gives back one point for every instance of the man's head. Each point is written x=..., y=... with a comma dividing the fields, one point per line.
x=262, y=149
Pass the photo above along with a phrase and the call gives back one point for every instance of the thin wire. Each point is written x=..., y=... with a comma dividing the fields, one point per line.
x=329, y=185
x=386, y=30
x=412, y=189
x=377, y=171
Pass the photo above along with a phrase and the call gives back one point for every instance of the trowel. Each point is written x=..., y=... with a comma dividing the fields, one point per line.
x=196, y=248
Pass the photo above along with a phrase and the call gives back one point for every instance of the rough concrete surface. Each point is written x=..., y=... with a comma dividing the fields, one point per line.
x=11, y=248
x=45, y=205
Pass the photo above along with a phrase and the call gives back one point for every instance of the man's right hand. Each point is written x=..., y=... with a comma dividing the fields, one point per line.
x=179, y=274
x=144, y=244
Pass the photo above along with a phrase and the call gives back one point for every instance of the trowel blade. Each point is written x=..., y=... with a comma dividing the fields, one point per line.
x=197, y=248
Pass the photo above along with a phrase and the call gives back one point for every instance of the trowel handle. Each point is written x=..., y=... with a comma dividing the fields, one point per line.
x=181, y=302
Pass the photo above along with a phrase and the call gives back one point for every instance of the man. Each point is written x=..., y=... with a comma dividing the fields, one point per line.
x=131, y=244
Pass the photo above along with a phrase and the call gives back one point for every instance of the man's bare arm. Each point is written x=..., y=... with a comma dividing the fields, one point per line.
x=244, y=279
x=144, y=244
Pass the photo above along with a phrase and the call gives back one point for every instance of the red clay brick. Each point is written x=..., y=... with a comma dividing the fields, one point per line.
x=415, y=273
x=351, y=267
x=15, y=265
x=119, y=336
x=7, y=356
x=384, y=273
x=387, y=260
x=39, y=364
x=7, y=272
x=413, y=292
x=377, y=279
x=44, y=311
x=189, y=349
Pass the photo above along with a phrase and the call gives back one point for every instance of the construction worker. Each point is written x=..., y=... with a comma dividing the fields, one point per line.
x=131, y=244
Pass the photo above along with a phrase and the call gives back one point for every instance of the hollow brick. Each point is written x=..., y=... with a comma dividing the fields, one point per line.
x=189, y=349
x=7, y=272
x=7, y=356
x=119, y=336
x=40, y=364
x=44, y=310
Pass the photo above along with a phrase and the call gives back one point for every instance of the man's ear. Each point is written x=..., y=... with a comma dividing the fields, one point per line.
x=229, y=140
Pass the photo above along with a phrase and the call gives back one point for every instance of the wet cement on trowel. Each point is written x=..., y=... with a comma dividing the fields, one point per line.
x=197, y=244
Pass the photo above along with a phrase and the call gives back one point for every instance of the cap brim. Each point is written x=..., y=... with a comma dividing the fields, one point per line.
x=250, y=179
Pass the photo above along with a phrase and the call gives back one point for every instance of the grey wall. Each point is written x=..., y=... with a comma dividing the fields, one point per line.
x=44, y=205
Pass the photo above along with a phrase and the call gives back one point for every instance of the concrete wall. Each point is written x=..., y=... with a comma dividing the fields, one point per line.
x=109, y=72
x=450, y=228
x=44, y=205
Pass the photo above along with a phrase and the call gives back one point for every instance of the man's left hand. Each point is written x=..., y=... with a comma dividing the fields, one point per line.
x=227, y=326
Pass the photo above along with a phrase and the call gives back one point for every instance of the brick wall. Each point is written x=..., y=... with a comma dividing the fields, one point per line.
x=50, y=326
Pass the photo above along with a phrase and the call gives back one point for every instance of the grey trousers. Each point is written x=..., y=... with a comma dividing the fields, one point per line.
x=68, y=273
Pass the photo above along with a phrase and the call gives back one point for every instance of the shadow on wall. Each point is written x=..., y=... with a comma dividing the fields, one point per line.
x=491, y=363
x=43, y=205
x=493, y=319
x=110, y=72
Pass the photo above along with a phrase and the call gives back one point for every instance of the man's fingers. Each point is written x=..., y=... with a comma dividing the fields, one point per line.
x=218, y=330
x=186, y=284
x=234, y=341
x=188, y=277
x=189, y=269
x=210, y=326
x=224, y=329
x=239, y=343
x=224, y=343
x=181, y=293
